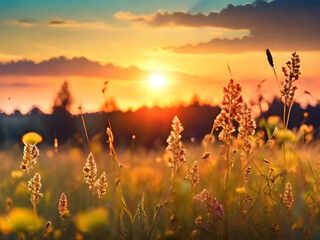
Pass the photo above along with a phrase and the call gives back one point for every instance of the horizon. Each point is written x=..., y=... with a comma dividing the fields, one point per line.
x=189, y=45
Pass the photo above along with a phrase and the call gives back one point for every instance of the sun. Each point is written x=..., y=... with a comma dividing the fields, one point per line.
x=156, y=80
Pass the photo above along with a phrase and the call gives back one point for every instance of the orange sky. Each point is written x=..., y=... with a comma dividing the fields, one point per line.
x=167, y=39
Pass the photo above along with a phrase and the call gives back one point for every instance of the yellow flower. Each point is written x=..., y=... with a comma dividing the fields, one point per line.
x=31, y=138
x=304, y=129
x=24, y=220
x=5, y=227
x=16, y=174
x=286, y=135
x=92, y=221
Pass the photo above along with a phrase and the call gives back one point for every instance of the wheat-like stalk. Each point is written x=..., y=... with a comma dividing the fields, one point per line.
x=175, y=145
x=247, y=126
x=292, y=73
x=230, y=111
x=101, y=185
x=193, y=174
x=90, y=172
x=34, y=187
x=30, y=155
x=288, y=198
x=63, y=206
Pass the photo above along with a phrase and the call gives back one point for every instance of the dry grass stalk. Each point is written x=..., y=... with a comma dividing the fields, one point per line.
x=30, y=155
x=175, y=145
x=63, y=206
x=288, y=196
x=102, y=184
x=34, y=187
x=111, y=146
x=247, y=126
x=230, y=111
x=193, y=174
x=292, y=73
x=90, y=172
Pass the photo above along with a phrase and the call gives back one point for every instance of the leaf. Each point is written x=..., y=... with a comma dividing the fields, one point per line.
x=126, y=219
x=140, y=221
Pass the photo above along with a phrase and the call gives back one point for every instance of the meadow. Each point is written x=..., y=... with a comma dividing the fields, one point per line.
x=247, y=179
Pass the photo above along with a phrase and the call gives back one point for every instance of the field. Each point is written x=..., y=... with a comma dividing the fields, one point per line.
x=245, y=180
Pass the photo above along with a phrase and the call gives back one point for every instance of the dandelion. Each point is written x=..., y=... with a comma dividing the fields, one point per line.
x=31, y=138
x=30, y=155
x=90, y=172
x=288, y=196
x=193, y=174
x=34, y=186
x=63, y=206
x=175, y=145
x=102, y=185
x=214, y=209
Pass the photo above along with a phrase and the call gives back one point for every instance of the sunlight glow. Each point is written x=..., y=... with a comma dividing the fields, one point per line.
x=156, y=80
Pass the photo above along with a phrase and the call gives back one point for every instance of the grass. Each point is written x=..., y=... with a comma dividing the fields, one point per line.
x=261, y=184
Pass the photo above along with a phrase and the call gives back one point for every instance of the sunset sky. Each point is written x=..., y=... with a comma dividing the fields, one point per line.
x=125, y=42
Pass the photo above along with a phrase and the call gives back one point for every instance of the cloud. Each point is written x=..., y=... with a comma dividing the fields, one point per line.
x=75, y=24
x=61, y=66
x=23, y=23
x=129, y=16
x=82, y=67
x=16, y=84
x=280, y=25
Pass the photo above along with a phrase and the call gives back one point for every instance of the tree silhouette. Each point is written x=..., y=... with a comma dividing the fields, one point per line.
x=63, y=100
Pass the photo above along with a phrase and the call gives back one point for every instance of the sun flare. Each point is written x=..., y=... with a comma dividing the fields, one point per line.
x=157, y=80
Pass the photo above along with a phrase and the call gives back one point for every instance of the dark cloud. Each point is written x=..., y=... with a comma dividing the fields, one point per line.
x=280, y=25
x=23, y=22
x=62, y=66
x=72, y=23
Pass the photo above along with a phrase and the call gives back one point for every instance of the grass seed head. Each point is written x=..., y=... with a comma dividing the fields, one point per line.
x=63, y=206
x=30, y=155
x=90, y=171
x=102, y=185
x=34, y=187
x=175, y=144
x=288, y=196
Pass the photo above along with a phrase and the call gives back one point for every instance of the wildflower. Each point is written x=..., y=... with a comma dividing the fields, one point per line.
x=286, y=135
x=306, y=129
x=214, y=209
x=24, y=220
x=288, y=196
x=92, y=221
x=63, y=206
x=30, y=155
x=193, y=174
x=175, y=144
x=34, y=186
x=31, y=138
x=102, y=185
x=90, y=172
